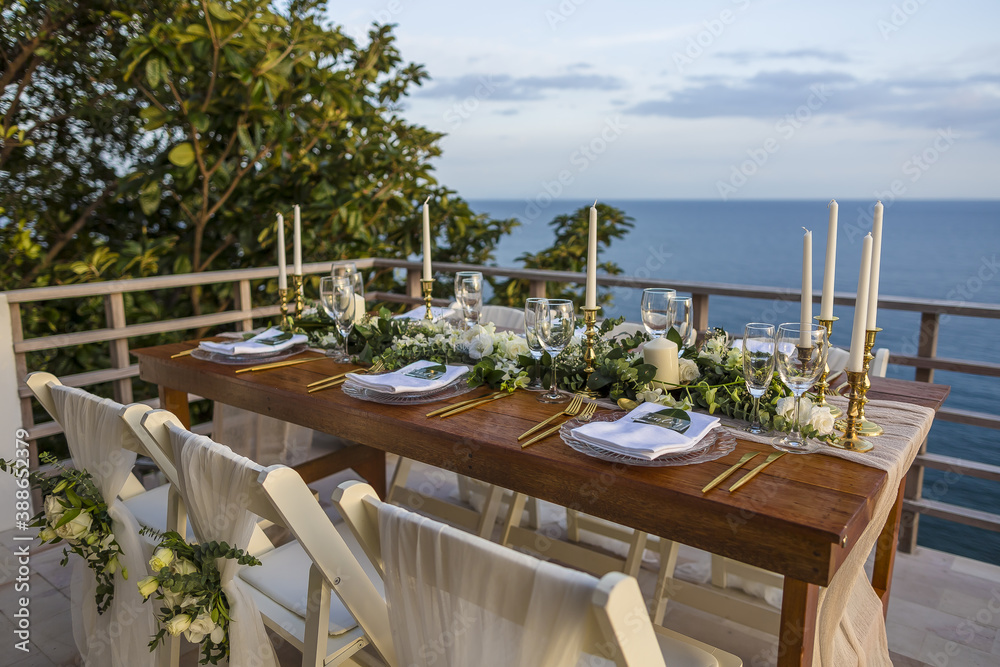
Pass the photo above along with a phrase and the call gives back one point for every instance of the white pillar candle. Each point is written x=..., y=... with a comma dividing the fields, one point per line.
x=805, y=339
x=282, y=269
x=662, y=353
x=297, y=242
x=829, y=269
x=591, y=301
x=876, y=267
x=855, y=362
x=427, y=241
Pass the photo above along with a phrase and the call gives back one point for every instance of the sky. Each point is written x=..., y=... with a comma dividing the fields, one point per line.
x=720, y=99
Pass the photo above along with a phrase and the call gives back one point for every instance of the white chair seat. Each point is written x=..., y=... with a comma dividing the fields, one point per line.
x=150, y=510
x=283, y=577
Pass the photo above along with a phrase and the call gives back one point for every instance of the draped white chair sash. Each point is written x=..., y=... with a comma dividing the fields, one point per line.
x=120, y=636
x=214, y=484
x=457, y=600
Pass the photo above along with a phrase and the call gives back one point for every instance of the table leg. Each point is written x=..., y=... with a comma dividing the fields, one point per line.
x=371, y=466
x=797, y=635
x=885, y=550
x=176, y=402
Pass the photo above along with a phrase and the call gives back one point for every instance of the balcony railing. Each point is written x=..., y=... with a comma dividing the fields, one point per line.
x=14, y=348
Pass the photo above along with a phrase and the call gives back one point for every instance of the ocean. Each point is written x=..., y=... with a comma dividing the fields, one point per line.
x=941, y=249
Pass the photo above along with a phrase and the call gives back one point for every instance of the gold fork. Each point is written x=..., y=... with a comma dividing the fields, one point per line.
x=587, y=413
x=571, y=410
x=335, y=380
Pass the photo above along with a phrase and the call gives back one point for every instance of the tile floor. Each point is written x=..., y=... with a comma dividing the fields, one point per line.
x=945, y=611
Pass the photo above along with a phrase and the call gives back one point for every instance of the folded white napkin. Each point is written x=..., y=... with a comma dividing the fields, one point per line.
x=644, y=440
x=253, y=346
x=436, y=311
x=409, y=380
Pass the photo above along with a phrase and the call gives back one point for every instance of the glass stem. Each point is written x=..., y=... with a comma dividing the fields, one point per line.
x=795, y=419
x=756, y=412
x=555, y=384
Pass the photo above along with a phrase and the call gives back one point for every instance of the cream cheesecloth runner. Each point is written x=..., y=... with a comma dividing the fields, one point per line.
x=213, y=482
x=456, y=600
x=120, y=636
x=850, y=628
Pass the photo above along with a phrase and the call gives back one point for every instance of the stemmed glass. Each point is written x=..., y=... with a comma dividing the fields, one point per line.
x=656, y=310
x=758, y=367
x=469, y=295
x=531, y=336
x=555, y=323
x=350, y=271
x=800, y=354
x=681, y=318
x=337, y=297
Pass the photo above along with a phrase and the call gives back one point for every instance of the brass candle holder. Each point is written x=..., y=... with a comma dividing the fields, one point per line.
x=851, y=425
x=823, y=385
x=299, y=294
x=427, y=287
x=868, y=428
x=286, y=321
x=590, y=322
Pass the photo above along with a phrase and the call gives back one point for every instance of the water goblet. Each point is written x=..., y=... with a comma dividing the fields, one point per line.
x=800, y=354
x=758, y=367
x=531, y=336
x=682, y=319
x=555, y=324
x=469, y=284
x=655, y=309
x=350, y=271
x=338, y=299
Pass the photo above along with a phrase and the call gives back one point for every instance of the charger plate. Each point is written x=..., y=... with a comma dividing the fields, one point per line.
x=457, y=387
x=243, y=359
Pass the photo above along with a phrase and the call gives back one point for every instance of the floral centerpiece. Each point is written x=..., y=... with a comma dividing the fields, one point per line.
x=74, y=510
x=186, y=578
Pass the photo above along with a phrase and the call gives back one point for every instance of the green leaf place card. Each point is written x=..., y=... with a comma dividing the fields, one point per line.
x=275, y=340
x=672, y=418
x=428, y=372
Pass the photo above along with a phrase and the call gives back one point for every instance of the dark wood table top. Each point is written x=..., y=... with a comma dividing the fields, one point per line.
x=799, y=517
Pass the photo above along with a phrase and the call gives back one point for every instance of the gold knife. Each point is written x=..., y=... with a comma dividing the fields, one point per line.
x=449, y=408
x=473, y=405
x=750, y=475
x=736, y=466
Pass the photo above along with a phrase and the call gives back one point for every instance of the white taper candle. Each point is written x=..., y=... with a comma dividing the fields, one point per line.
x=876, y=267
x=297, y=242
x=591, y=301
x=427, y=241
x=855, y=362
x=829, y=269
x=805, y=320
x=282, y=269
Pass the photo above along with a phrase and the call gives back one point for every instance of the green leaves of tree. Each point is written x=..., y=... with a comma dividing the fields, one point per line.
x=181, y=155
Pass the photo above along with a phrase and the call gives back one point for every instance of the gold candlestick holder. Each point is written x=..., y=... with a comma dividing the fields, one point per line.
x=589, y=356
x=823, y=385
x=851, y=425
x=299, y=294
x=868, y=428
x=427, y=287
x=286, y=321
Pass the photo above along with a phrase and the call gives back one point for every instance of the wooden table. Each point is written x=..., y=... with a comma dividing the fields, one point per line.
x=800, y=517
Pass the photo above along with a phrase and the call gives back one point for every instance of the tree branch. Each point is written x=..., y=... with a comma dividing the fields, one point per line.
x=226, y=242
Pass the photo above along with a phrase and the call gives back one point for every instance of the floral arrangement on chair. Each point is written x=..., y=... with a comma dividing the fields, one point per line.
x=186, y=578
x=74, y=511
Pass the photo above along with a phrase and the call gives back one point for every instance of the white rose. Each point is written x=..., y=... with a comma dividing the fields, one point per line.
x=147, y=586
x=53, y=509
x=47, y=534
x=218, y=634
x=517, y=347
x=77, y=528
x=183, y=566
x=822, y=420
x=201, y=626
x=481, y=346
x=161, y=559
x=786, y=408
x=178, y=624
x=687, y=370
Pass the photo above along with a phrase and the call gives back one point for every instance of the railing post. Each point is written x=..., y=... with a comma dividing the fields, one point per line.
x=536, y=289
x=243, y=304
x=909, y=520
x=927, y=344
x=114, y=313
x=413, y=283
x=10, y=407
x=699, y=304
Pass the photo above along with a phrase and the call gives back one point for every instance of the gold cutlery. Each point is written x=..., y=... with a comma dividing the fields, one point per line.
x=184, y=353
x=452, y=406
x=375, y=368
x=502, y=394
x=771, y=458
x=279, y=364
x=587, y=413
x=736, y=466
x=571, y=411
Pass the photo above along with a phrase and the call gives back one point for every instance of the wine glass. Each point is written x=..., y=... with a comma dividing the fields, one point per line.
x=555, y=324
x=337, y=297
x=656, y=310
x=681, y=316
x=350, y=270
x=469, y=287
x=800, y=354
x=758, y=367
x=531, y=335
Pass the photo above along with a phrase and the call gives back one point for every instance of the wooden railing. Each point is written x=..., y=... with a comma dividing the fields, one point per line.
x=117, y=333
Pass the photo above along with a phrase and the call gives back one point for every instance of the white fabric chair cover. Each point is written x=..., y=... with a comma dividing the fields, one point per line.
x=214, y=483
x=120, y=636
x=504, y=317
x=262, y=439
x=457, y=600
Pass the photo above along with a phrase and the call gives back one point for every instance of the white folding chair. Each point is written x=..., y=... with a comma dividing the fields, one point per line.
x=292, y=587
x=498, y=593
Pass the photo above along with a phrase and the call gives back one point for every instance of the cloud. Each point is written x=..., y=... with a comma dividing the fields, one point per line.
x=503, y=87
x=793, y=54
